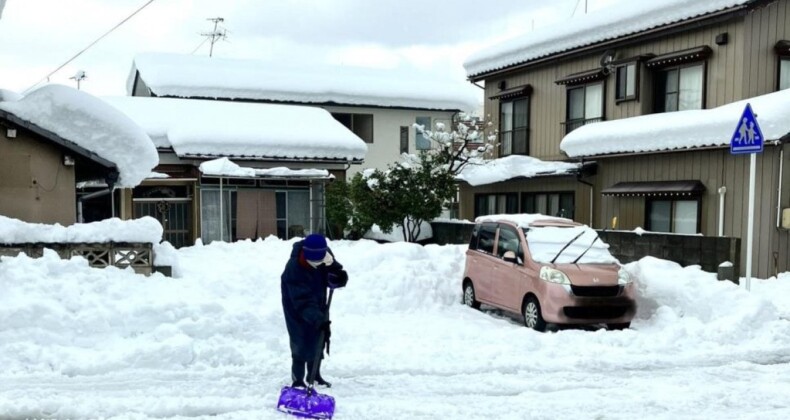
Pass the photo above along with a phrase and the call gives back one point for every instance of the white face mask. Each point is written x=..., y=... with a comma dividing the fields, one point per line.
x=328, y=260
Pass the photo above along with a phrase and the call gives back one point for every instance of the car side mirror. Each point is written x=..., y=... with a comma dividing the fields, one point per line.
x=510, y=257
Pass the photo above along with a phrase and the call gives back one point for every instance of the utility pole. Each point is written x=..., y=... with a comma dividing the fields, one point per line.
x=78, y=77
x=215, y=35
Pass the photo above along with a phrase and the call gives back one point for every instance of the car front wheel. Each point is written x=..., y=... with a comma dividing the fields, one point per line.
x=532, y=315
x=469, y=296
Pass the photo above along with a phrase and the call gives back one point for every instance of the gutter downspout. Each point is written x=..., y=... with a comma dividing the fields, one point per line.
x=722, y=192
x=592, y=196
x=779, y=196
x=221, y=219
x=80, y=218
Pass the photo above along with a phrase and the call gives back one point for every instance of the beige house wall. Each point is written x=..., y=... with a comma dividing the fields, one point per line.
x=724, y=76
x=35, y=185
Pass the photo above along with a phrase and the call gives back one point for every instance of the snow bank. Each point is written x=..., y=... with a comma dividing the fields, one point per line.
x=79, y=342
x=396, y=235
x=91, y=124
x=146, y=230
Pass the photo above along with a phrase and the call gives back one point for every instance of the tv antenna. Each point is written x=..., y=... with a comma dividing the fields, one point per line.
x=216, y=34
x=78, y=77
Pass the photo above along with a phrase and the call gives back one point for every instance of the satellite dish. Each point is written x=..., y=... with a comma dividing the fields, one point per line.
x=607, y=57
x=606, y=60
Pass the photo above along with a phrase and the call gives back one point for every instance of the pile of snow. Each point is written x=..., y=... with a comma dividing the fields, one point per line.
x=238, y=129
x=77, y=342
x=146, y=230
x=191, y=76
x=224, y=167
x=514, y=166
x=610, y=23
x=396, y=234
x=9, y=95
x=91, y=124
x=522, y=220
x=681, y=129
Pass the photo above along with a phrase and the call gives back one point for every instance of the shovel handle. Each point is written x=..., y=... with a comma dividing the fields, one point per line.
x=320, y=349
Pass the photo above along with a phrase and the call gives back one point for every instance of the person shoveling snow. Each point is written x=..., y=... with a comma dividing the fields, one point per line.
x=310, y=270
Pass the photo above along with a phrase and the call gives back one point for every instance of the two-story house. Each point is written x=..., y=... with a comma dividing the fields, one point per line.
x=649, y=92
x=380, y=106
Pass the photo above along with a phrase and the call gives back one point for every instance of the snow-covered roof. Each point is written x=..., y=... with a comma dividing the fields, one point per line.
x=625, y=18
x=206, y=128
x=91, y=124
x=211, y=77
x=679, y=130
x=146, y=230
x=224, y=167
x=514, y=166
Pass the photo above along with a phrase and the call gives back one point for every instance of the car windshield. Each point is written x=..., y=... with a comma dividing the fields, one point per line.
x=545, y=243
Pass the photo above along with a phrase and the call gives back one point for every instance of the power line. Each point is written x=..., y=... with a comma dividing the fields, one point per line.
x=89, y=45
x=198, y=47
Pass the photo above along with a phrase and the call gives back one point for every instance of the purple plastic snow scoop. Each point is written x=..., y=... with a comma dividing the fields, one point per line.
x=306, y=402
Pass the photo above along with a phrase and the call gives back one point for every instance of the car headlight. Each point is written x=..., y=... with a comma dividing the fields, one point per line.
x=623, y=277
x=552, y=275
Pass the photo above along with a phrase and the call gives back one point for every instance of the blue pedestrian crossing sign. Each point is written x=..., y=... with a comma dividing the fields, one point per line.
x=748, y=138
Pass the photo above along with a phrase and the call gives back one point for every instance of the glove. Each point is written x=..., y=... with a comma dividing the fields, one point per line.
x=325, y=328
x=337, y=279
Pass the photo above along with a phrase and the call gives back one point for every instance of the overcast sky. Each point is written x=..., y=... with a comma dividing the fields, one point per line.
x=37, y=36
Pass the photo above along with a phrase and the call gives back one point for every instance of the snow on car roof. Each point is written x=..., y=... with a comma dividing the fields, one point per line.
x=525, y=220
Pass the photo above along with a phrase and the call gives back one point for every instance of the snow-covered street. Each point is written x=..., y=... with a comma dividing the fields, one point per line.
x=78, y=342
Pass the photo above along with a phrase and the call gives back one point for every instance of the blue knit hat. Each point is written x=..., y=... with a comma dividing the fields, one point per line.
x=314, y=247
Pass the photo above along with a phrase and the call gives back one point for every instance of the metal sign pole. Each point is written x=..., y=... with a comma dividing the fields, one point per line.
x=750, y=223
x=748, y=138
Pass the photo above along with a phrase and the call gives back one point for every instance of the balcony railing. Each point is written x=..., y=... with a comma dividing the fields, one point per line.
x=571, y=125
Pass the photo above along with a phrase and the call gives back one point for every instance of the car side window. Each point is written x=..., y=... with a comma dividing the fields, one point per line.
x=475, y=237
x=486, y=236
x=509, y=241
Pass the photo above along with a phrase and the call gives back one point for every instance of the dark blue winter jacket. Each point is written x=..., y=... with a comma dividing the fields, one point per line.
x=304, y=302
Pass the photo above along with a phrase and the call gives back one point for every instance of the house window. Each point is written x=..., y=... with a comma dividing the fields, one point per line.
x=422, y=142
x=360, y=124
x=486, y=204
x=292, y=213
x=784, y=73
x=626, y=82
x=559, y=204
x=585, y=105
x=404, y=139
x=677, y=216
x=680, y=88
x=514, y=127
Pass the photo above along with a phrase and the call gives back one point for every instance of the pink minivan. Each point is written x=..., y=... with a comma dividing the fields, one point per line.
x=548, y=270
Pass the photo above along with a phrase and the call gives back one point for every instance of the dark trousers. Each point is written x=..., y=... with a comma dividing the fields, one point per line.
x=298, y=370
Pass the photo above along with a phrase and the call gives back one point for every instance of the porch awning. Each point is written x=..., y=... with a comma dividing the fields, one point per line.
x=656, y=188
x=582, y=77
x=515, y=92
x=679, y=57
